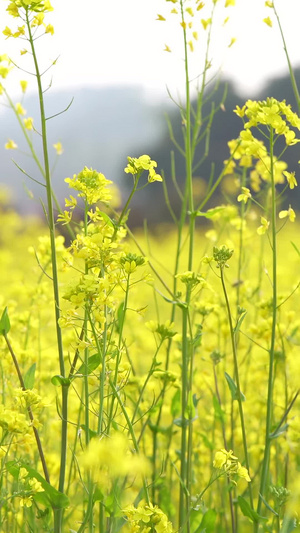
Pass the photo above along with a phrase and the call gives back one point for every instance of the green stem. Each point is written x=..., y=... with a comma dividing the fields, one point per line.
x=233, y=526
x=268, y=440
x=131, y=431
x=153, y=365
x=292, y=76
x=123, y=213
x=118, y=357
x=51, y=224
x=35, y=158
x=188, y=197
x=236, y=371
x=30, y=414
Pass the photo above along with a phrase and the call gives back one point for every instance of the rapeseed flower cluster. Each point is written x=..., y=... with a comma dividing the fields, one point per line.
x=253, y=156
x=147, y=518
x=137, y=165
x=230, y=465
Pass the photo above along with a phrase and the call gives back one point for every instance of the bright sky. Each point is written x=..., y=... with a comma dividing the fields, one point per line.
x=102, y=42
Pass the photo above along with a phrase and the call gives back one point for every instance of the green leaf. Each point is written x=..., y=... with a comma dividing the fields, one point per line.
x=107, y=219
x=289, y=524
x=91, y=432
x=279, y=431
x=210, y=213
x=181, y=423
x=92, y=363
x=268, y=506
x=219, y=413
x=50, y=496
x=176, y=404
x=209, y=444
x=233, y=388
x=249, y=512
x=297, y=249
x=190, y=411
x=4, y=323
x=29, y=377
x=120, y=317
x=208, y=522
x=98, y=495
x=60, y=381
x=239, y=322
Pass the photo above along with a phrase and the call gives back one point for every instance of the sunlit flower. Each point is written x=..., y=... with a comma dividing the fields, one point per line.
x=58, y=148
x=10, y=145
x=290, y=213
x=245, y=195
x=290, y=176
x=205, y=23
x=20, y=109
x=223, y=457
x=49, y=29
x=26, y=501
x=28, y=123
x=264, y=226
x=23, y=84
x=65, y=217
x=268, y=21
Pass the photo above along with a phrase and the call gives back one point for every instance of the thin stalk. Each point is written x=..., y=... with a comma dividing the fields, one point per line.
x=102, y=375
x=153, y=365
x=118, y=358
x=50, y=215
x=292, y=76
x=233, y=525
x=185, y=440
x=36, y=159
x=123, y=213
x=86, y=350
x=29, y=410
x=236, y=371
x=130, y=430
x=268, y=440
x=51, y=224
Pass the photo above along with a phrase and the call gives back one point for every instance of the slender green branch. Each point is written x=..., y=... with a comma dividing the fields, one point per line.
x=236, y=371
x=269, y=414
x=51, y=224
x=35, y=431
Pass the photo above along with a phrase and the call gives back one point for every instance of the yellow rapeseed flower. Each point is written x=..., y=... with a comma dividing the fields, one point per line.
x=20, y=109
x=233, y=40
x=49, y=29
x=205, y=23
x=23, y=84
x=10, y=145
x=58, y=148
x=264, y=226
x=290, y=176
x=245, y=195
x=268, y=21
x=290, y=213
x=28, y=123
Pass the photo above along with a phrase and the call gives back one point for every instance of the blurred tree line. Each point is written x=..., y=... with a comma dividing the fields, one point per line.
x=226, y=125
x=105, y=125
